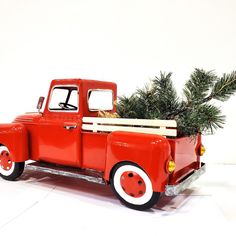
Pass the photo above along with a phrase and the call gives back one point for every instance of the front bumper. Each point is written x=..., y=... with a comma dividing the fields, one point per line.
x=173, y=190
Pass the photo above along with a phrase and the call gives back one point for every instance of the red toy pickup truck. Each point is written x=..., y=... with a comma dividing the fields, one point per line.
x=140, y=159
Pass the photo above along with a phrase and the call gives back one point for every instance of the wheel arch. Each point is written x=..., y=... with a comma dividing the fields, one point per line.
x=14, y=136
x=149, y=152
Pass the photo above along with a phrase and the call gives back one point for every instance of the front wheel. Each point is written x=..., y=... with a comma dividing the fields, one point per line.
x=133, y=187
x=9, y=170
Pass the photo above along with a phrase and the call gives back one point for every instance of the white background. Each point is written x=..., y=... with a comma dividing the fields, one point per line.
x=127, y=42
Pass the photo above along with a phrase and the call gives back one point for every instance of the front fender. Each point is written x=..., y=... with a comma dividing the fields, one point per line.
x=151, y=152
x=14, y=136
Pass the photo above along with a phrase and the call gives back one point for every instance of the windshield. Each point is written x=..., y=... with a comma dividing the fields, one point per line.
x=64, y=98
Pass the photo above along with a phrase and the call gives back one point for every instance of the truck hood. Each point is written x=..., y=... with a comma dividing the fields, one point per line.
x=28, y=117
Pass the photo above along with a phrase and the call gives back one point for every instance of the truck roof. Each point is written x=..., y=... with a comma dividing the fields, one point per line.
x=80, y=81
x=85, y=86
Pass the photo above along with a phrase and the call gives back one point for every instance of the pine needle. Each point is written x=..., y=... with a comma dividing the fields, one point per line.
x=194, y=114
x=225, y=87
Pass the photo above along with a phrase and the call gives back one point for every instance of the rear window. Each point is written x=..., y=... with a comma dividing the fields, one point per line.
x=100, y=100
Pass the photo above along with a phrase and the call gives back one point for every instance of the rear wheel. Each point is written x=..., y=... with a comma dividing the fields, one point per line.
x=9, y=170
x=133, y=187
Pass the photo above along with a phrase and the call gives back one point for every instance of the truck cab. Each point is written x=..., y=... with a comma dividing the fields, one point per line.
x=140, y=159
x=56, y=133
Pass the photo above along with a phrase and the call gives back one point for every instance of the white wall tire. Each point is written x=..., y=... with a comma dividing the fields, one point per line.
x=133, y=186
x=9, y=170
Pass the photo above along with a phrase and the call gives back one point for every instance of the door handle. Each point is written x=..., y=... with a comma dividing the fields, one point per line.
x=69, y=127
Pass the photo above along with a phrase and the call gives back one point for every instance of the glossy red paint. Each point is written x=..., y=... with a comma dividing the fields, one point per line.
x=57, y=144
x=83, y=87
x=133, y=184
x=57, y=137
x=15, y=138
x=184, y=152
x=5, y=160
x=51, y=141
x=148, y=151
x=94, y=146
x=197, y=150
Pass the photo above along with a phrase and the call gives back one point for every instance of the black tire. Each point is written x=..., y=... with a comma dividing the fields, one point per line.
x=148, y=198
x=9, y=170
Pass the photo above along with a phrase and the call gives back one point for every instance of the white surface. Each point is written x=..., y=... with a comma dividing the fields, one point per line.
x=42, y=204
x=125, y=41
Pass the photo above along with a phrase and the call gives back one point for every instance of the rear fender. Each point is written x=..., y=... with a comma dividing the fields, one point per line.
x=14, y=136
x=150, y=152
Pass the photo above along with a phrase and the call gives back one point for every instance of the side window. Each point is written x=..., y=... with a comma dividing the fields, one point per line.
x=64, y=98
x=100, y=100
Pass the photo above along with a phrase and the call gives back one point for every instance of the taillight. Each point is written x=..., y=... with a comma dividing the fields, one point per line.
x=170, y=166
x=202, y=150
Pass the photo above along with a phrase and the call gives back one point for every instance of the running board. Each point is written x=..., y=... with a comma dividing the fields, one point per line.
x=84, y=174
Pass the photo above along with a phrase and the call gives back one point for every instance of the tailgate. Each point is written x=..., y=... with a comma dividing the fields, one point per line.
x=184, y=152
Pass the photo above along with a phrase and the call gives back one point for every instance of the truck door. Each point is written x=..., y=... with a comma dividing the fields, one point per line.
x=60, y=127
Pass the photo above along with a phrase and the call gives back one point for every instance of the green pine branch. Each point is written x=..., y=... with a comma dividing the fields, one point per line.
x=146, y=103
x=225, y=87
x=127, y=107
x=165, y=95
x=197, y=87
x=194, y=113
x=205, y=119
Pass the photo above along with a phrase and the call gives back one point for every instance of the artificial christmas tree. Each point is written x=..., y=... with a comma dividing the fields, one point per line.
x=195, y=113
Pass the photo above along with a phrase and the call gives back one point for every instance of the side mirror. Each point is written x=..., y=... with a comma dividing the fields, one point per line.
x=40, y=103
